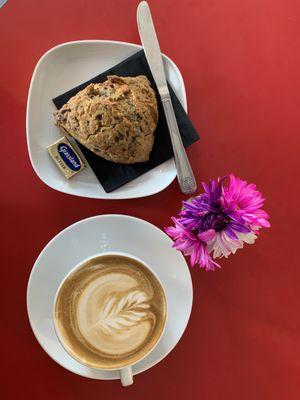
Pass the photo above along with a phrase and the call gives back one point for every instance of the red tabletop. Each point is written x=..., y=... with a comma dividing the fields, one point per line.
x=240, y=61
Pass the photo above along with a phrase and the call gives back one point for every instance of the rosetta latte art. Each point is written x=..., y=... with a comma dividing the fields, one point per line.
x=122, y=313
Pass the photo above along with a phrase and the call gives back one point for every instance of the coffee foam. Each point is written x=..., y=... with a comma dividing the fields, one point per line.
x=110, y=312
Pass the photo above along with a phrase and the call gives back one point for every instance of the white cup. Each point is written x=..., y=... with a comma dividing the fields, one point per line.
x=126, y=374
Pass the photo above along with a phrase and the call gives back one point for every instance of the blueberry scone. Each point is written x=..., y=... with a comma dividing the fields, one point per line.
x=115, y=119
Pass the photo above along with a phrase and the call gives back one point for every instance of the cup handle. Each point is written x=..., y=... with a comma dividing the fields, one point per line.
x=126, y=376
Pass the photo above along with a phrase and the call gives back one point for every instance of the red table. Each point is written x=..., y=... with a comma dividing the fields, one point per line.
x=240, y=61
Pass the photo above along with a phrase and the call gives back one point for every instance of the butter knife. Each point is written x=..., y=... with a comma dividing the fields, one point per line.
x=150, y=43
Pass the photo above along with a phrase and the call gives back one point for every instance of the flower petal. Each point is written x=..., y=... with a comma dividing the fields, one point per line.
x=207, y=236
x=230, y=233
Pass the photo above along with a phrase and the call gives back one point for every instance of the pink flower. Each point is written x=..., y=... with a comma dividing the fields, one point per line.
x=193, y=245
x=219, y=221
x=242, y=201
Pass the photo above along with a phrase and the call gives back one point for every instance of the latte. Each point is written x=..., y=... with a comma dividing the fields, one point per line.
x=110, y=312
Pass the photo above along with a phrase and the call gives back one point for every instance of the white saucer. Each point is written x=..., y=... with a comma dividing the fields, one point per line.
x=102, y=234
x=62, y=68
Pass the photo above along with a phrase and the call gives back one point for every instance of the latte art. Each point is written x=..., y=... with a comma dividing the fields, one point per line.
x=110, y=312
x=118, y=315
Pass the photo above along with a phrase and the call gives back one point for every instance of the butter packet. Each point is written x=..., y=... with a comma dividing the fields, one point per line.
x=65, y=157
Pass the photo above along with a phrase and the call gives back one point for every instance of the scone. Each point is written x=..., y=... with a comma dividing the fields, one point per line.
x=115, y=119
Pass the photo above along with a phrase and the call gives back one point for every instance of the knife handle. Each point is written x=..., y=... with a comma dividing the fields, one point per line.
x=185, y=174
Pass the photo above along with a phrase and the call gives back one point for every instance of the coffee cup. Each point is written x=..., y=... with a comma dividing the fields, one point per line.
x=110, y=312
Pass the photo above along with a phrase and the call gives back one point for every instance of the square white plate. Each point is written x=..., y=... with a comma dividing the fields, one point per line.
x=59, y=70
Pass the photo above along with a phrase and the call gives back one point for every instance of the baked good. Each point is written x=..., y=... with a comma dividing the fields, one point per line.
x=115, y=119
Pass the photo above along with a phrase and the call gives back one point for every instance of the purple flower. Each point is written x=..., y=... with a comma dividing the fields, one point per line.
x=218, y=221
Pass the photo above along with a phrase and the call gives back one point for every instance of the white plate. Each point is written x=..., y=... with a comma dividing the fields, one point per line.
x=59, y=70
x=98, y=235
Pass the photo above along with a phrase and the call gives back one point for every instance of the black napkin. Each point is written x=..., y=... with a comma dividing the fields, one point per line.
x=112, y=175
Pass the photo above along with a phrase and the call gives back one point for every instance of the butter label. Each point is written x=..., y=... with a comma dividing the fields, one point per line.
x=65, y=157
x=69, y=156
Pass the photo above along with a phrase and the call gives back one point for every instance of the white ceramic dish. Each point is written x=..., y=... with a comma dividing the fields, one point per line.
x=62, y=68
x=100, y=234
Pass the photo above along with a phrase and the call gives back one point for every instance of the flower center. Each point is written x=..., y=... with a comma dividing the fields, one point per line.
x=217, y=221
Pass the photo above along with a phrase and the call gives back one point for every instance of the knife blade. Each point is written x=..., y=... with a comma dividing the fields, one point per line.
x=152, y=51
